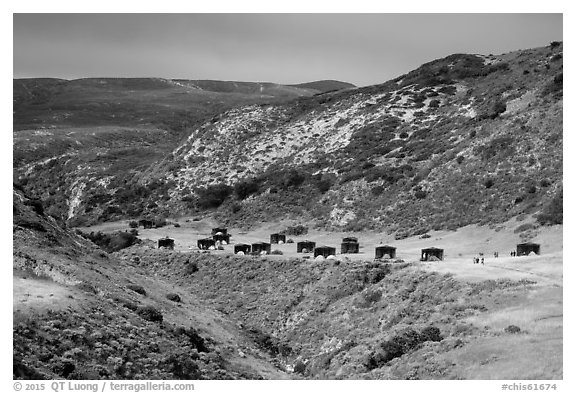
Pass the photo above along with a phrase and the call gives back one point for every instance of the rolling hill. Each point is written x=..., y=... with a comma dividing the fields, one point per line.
x=467, y=139
x=172, y=103
x=102, y=130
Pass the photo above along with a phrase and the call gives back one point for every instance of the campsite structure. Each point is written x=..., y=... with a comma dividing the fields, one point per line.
x=432, y=254
x=385, y=252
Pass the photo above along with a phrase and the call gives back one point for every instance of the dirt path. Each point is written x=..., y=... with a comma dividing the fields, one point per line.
x=545, y=270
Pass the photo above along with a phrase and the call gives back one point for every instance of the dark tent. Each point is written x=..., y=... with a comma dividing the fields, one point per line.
x=261, y=246
x=432, y=254
x=349, y=247
x=245, y=248
x=305, y=245
x=276, y=238
x=166, y=243
x=527, y=248
x=205, y=244
x=221, y=237
x=325, y=251
x=385, y=250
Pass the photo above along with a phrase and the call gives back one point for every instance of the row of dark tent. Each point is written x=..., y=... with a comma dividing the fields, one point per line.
x=349, y=245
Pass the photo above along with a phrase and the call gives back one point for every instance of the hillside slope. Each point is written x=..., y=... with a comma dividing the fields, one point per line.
x=461, y=140
x=362, y=320
x=103, y=132
x=80, y=313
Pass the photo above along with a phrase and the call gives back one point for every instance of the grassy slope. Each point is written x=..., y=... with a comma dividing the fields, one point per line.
x=389, y=157
x=132, y=101
x=333, y=317
x=96, y=128
x=75, y=316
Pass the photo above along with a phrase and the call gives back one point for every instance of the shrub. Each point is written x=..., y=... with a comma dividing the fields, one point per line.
x=553, y=212
x=559, y=79
x=499, y=107
x=293, y=178
x=191, y=268
x=555, y=86
x=182, y=366
x=137, y=288
x=368, y=298
x=121, y=240
x=472, y=133
x=403, y=135
x=545, y=183
x=87, y=287
x=377, y=190
x=500, y=146
x=556, y=57
x=323, y=185
x=176, y=225
x=420, y=194
x=174, y=297
x=401, y=235
x=524, y=227
x=401, y=343
x=160, y=222
x=276, y=252
x=554, y=44
x=213, y=195
x=300, y=367
x=459, y=159
x=133, y=224
x=245, y=188
x=488, y=183
x=430, y=333
x=149, y=313
x=297, y=230
x=267, y=342
x=36, y=205
x=195, y=339
x=111, y=242
x=513, y=329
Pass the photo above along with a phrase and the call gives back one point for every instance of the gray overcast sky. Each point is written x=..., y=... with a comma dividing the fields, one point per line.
x=362, y=49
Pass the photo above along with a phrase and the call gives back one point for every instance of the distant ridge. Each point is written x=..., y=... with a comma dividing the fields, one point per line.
x=325, y=85
x=171, y=103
